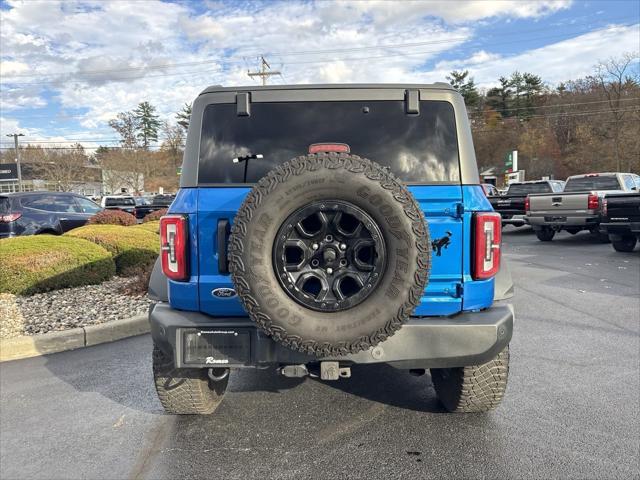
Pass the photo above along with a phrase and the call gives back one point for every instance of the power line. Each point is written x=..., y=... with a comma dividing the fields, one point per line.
x=110, y=147
x=231, y=61
x=552, y=106
x=315, y=52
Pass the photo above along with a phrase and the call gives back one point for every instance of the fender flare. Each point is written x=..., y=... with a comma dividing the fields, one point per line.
x=158, y=284
x=503, y=288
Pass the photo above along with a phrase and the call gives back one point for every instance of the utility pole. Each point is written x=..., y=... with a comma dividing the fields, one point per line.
x=263, y=73
x=15, y=141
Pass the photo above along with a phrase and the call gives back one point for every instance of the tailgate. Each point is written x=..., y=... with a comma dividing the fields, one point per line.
x=626, y=207
x=508, y=205
x=443, y=295
x=556, y=203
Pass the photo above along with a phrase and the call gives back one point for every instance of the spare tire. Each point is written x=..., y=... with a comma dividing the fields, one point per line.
x=329, y=254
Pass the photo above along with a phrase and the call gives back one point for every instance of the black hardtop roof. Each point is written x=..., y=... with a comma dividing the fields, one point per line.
x=330, y=86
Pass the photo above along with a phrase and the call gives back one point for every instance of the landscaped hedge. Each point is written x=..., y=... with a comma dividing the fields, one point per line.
x=112, y=217
x=131, y=246
x=153, y=216
x=149, y=226
x=40, y=263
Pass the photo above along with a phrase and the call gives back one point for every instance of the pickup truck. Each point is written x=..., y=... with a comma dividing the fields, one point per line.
x=126, y=203
x=620, y=220
x=353, y=230
x=577, y=208
x=144, y=206
x=511, y=205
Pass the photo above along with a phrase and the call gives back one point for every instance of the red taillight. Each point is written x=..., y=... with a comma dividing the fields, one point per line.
x=10, y=217
x=173, y=246
x=329, y=147
x=527, y=204
x=592, y=202
x=487, y=233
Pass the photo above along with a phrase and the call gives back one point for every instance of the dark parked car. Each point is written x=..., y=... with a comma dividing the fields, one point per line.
x=144, y=206
x=620, y=220
x=43, y=212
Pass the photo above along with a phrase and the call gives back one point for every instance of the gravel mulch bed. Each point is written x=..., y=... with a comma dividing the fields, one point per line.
x=70, y=308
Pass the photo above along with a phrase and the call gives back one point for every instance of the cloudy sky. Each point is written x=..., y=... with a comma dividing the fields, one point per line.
x=67, y=67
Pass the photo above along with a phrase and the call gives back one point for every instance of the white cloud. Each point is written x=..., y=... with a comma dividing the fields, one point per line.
x=557, y=62
x=455, y=11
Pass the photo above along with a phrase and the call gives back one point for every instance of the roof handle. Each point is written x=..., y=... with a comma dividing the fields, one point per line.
x=412, y=102
x=243, y=100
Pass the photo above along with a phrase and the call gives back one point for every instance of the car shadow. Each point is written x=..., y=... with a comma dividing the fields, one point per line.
x=121, y=372
x=390, y=386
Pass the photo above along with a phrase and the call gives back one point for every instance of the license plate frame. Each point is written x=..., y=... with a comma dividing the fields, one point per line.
x=215, y=347
x=556, y=219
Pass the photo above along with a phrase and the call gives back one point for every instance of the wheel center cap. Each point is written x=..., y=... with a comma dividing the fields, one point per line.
x=329, y=255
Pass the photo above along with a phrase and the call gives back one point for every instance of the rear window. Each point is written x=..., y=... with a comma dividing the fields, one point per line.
x=115, y=202
x=586, y=184
x=416, y=148
x=527, y=188
x=162, y=200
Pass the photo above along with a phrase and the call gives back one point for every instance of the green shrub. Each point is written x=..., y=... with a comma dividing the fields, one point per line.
x=149, y=226
x=153, y=216
x=131, y=247
x=40, y=263
x=112, y=217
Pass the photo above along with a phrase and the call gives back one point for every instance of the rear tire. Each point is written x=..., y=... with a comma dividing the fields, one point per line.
x=186, y=391
x=546, y=234
x=625, y=244
x=478, y=388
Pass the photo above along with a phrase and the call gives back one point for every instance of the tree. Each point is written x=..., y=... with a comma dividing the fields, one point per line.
x=466, y=86
x=183, y=117
x=148, y=124
x=531, y=89
x=127, y=125
x=615, y=78
x=64, y=167
x=173, y=143
x=498, y=98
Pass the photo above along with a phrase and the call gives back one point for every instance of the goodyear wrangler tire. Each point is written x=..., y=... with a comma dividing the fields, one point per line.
x=329, y=254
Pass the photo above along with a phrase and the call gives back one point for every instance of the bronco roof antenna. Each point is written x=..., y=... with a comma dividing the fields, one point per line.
x=245, y=159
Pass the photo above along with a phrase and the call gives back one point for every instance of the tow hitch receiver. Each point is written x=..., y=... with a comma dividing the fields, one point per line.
x=328, y=371
x=332, y=371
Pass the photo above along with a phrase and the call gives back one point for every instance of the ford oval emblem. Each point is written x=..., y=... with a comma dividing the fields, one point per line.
x=223, y=292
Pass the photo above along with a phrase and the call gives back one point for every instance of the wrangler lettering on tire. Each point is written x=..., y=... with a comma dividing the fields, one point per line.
x=329, y=254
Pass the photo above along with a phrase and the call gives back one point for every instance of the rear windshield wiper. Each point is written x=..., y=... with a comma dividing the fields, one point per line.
x=245, y=159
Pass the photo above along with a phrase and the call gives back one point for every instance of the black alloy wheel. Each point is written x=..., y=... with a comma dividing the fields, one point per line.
x=329, y=255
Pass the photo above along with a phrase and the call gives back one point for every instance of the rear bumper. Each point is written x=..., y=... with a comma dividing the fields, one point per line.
x=469, y=338
x=628, y=228
x=517, y=220
x=559, y=220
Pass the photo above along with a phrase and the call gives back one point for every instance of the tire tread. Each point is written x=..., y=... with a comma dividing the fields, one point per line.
x=478, y=388
x=184, y=391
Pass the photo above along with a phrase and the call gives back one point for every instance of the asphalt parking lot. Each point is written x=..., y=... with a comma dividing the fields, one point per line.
x=571, y=409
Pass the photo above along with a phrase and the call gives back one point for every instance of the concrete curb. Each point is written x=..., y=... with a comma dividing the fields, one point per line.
x=36, y=345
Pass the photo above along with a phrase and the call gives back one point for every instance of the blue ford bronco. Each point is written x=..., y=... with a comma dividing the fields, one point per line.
x=322, y=226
